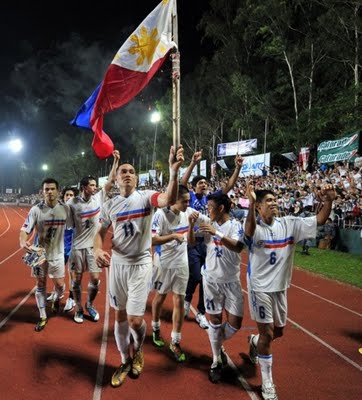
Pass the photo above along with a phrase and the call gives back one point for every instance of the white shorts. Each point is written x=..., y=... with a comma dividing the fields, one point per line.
x=173, y=280
x=268, y=308
x=220, y=296
x=129, y=286
x=83, y=260
x=52, y=268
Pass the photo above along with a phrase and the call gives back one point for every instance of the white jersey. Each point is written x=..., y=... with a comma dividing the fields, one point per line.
x=50, y=224
x=271, y=251
x=85, y=216
x=223, y=265
x=172, y=254
x=131, y=218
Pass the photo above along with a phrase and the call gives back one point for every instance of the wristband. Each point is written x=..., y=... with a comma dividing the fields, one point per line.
x=219, y=234
x=173, y=173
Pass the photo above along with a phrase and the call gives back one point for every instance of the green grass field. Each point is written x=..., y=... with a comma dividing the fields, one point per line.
x=342, y=267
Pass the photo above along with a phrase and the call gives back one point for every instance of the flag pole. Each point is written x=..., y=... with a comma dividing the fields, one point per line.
x=266, y=131
x=175, y=57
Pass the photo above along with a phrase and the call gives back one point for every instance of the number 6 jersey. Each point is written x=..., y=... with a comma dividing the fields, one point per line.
x=271, y=251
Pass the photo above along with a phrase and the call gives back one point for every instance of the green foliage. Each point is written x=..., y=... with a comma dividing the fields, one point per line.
x=293, y=62
x=297, y=63
x=73, y=158
x=343, y=267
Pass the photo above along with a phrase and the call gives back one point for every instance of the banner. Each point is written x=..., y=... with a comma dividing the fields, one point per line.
x=222, y=164
x=253, y=165
x=143, y=179
x=203, y=167
x=341, y=149
x=303, y=157
x=233, y=148
x=193, y=173
x=290, y=156
x=213, y=169
x=102, y=180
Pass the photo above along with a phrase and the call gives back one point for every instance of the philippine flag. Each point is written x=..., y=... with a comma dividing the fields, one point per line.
x=133, y=66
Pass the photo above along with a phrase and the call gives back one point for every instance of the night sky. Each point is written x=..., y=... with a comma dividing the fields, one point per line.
x=53, y=55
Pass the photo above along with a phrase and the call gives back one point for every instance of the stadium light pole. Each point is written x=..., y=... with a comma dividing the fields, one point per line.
x=155, y=119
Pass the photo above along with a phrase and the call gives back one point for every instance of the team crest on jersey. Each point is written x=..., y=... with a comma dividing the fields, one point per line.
x=259, y=244
x=41, y=205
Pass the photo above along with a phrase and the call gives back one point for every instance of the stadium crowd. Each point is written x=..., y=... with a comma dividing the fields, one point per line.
x=191, y=232
x=297, y=192
x=295, y=189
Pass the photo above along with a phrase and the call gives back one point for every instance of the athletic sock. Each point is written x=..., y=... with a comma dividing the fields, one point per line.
x=266, y=362
x=123, y=337
x=139, y=335
x=215, y=337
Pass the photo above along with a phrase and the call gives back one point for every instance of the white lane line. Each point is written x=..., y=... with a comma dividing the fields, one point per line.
x=351, y=362
x=328, y=301
x=244, y=383
x=7, y=219
x=22, y=216
x=17, y=251
x=335, y=351
x=322, y=298
x=14, y=310
x=97, y=393
x=11, y=255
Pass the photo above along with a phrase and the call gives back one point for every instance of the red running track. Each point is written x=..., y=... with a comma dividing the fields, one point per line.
x=318, y=358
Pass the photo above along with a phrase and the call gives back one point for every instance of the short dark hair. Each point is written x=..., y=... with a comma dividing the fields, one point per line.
x=197, y=178
x=182, y=189
x=260, y=194
x=221, y=199
x=85, y=181
x=67, y=189
x=50, y=180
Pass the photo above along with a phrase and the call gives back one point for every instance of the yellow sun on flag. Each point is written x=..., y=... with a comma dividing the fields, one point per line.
x=145, y=45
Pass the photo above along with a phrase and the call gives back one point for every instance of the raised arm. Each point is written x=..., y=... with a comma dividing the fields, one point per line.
x=250, y=223
x=327, y=195
x=175, y=162
x=234, y=177
x=112, y=174
x=194, y=161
